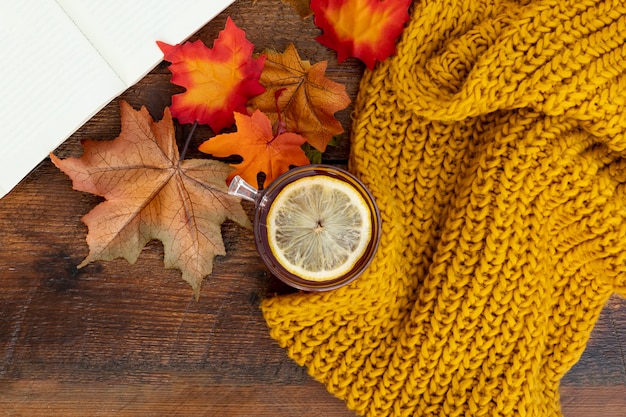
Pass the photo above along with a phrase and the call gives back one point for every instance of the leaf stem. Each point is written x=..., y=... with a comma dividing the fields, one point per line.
x=281, y=128
x=187, y=141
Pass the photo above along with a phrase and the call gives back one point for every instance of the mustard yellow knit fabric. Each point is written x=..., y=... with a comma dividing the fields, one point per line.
x=494, y=143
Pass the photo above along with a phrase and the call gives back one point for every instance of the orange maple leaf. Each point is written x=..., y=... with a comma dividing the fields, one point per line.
x=261, y=149
x=365, y=29
x=219, y=81
x=150, y=194
x=307, y=101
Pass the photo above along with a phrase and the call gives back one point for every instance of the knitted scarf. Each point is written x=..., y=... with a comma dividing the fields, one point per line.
x=494, y=143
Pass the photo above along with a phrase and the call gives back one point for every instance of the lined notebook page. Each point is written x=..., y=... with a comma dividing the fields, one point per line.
x=52, y=82
x=63, y=60
x=125, y=31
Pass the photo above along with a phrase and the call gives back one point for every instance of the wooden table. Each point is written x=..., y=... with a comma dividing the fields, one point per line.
x=120, y=339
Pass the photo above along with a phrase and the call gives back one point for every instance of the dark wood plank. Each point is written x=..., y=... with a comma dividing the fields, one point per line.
x=188, y=396
x=608, y=401
x=604, y=360
x=121, y=339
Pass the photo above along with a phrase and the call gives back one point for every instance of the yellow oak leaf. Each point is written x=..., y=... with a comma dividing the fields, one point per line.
x=306, y=99
x=150, y=194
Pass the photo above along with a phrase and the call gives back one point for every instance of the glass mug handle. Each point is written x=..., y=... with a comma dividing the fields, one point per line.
x=239, y=188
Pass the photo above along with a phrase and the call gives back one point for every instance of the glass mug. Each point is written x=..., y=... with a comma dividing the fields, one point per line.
x=263, y=200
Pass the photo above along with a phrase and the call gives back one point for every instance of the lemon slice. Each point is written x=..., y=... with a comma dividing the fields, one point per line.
x=318, y=227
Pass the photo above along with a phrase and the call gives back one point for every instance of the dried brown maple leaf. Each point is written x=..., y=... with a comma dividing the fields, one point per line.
x=308, y=100
x=150, y=194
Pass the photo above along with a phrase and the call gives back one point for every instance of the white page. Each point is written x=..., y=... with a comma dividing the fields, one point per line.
x=125, y=31
x=53, y=79
x=51, y=82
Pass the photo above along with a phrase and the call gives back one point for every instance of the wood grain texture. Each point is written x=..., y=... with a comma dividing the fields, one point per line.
x=128, y=340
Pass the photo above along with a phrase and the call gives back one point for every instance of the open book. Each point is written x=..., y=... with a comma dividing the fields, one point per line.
x=63, y=60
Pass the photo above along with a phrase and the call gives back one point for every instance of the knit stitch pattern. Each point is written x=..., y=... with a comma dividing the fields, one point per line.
x=494, y=144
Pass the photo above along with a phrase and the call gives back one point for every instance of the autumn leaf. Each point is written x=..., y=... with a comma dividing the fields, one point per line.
x=308, y=100
x=300, y=6
x=150, y=194
x=261, y=149
x=365, y=29
x=314, y=156
x=219, y=81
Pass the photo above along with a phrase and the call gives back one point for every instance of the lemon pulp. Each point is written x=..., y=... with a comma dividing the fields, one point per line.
x=318, y=227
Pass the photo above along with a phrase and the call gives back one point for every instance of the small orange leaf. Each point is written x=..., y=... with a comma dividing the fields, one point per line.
x=261, y=150
x=219, y=81
x=300, y=6
x=365, y=29
x=308, y=100
x=150, y=194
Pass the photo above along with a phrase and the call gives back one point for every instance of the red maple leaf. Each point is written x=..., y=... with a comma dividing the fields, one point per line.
x=365, y=29
x=219, y=80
